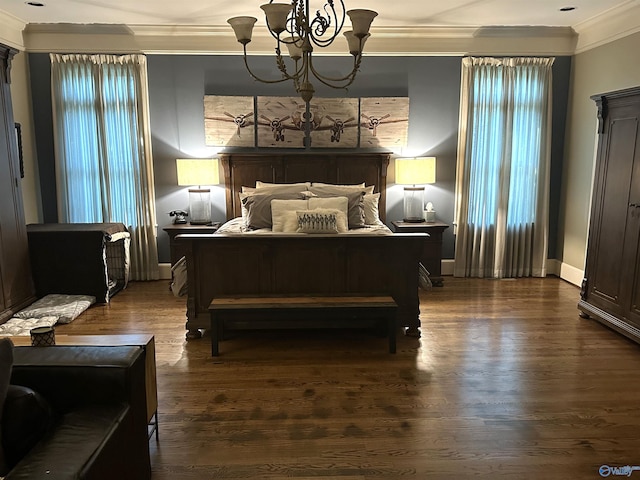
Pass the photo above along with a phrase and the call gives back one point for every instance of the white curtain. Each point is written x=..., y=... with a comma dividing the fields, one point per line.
x=502, y=177
x=104, y=165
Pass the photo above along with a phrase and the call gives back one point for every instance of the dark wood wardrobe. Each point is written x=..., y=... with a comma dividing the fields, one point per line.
x=16, y=286
x=611, y=287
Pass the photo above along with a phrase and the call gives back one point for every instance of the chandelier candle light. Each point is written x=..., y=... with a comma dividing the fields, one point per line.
x=290, y=24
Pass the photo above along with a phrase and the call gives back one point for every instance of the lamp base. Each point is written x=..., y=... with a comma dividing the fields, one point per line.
x=199, y=206
x=413, y=204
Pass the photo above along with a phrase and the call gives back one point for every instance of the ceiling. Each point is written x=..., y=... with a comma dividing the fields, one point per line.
x=402, y=27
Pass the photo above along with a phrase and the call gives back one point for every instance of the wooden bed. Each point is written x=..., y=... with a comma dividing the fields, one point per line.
x=297, y=264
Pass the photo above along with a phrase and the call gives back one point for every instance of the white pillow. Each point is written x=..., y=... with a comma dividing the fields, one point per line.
x=339, y=189
x=338, y=203
x=320, y=184
x=243, y=210
x=321, y=220
x=303, y=185
x=284, y=211
x=371, y=212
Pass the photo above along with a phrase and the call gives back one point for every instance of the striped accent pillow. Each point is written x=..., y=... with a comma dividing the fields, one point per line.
x=318, y=221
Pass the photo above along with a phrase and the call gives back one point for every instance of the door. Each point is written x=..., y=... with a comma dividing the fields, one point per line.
x=631, y=249
x=16, y=288
x=611, y=244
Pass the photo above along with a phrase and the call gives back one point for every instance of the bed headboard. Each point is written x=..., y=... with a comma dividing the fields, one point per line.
x=339, y=168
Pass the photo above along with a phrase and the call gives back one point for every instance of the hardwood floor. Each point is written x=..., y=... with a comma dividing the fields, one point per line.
x=506, y=382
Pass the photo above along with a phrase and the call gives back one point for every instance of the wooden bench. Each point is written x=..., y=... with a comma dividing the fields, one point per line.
x=237, y=312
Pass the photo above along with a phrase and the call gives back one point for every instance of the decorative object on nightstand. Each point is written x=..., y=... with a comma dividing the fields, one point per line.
x=415, y=172
x=198, y=171
x=180, y=216
x=429, y=213
x=431, y=256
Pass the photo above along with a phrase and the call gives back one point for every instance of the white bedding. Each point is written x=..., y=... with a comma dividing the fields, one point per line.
x=236, y=226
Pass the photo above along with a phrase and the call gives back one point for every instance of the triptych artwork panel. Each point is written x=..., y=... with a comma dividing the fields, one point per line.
x=285, y=122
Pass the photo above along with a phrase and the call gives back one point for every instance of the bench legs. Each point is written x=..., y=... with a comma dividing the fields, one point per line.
x=391, y=332
x=215, y=335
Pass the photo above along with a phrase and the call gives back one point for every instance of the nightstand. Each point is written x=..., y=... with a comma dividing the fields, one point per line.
x=432, y=253
x=176, y=229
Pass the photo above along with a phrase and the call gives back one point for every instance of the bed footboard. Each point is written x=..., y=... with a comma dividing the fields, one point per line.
x=298, y=265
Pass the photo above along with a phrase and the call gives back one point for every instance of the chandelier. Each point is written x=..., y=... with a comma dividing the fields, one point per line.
x=290, y=24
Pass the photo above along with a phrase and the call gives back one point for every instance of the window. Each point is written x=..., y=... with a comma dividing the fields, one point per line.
x=503, y=158
x=103, y=150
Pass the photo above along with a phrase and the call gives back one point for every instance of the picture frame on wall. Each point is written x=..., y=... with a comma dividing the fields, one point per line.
x=285, y=122
x=229, y=121
x=334, y=122
x=280, y=122
x=384, y=122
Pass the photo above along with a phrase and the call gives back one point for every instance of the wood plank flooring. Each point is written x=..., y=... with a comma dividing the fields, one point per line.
x=506, y=382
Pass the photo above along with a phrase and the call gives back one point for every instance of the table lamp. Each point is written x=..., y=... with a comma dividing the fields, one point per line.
x=415, y=172
x=198, y=171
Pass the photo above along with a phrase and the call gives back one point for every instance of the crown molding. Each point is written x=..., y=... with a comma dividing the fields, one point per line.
x=11, y=30
x=219, y=40
x=612, y=25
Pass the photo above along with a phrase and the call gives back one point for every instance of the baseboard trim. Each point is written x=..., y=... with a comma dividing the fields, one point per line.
x=571, y=274
x=165, y=271
x=446, y=266
x=553, y=267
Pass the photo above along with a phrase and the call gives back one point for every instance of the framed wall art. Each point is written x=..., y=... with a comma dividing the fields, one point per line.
x=229, y=121
x=333, y=122
x=280, y=122
x=283, y=122
x=384, y=122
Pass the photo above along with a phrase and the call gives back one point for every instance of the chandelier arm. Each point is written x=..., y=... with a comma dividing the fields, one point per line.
x=332, y=84
x=255, y=77
x=283, y=67
x=350, y=77
x=320, y=24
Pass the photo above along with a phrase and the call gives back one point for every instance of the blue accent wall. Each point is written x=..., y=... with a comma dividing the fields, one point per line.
x=178, y=83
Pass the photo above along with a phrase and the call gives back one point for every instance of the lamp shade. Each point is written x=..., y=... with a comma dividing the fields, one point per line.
x=361, y=21
x=277, y=14
x=197, y=171
x=243, y=28
x=415, y=171
x=294, y=47
x=356, y=44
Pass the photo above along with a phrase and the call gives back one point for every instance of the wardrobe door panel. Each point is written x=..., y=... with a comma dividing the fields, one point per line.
x=607, y=252
x=16, y=286
x=632, y=240
x=632, y=300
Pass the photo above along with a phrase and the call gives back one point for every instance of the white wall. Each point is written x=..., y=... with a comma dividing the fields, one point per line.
x=613, y=66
